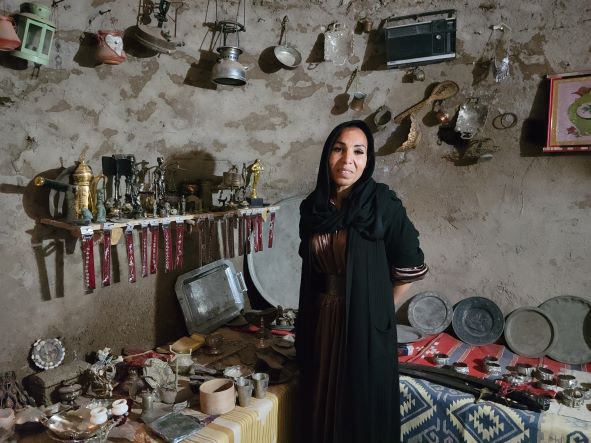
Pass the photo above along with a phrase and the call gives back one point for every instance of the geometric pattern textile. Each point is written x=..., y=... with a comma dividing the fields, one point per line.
x=434, y=413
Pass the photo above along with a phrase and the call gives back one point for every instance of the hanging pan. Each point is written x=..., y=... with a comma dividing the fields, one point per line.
x=287, y=55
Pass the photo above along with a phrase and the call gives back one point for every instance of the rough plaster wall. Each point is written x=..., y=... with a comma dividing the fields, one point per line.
x=515, y=229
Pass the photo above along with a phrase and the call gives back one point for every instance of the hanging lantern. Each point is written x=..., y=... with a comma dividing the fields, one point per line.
x=36, y=33
x=110, y=47
x=8, y=38
x=227, y=70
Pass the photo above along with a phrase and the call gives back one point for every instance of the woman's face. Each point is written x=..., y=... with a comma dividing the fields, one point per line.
x=348, y=157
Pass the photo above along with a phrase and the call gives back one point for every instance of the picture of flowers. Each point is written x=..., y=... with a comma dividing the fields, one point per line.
x=569, y=116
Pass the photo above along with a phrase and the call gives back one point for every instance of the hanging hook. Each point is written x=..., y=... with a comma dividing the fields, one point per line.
x=501, y=27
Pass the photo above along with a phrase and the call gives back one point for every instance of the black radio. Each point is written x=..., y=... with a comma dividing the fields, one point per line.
x=420, y=42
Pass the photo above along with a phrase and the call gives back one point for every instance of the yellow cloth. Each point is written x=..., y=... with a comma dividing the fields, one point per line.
x=267, y=420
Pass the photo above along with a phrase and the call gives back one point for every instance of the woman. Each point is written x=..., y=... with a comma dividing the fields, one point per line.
x=360, y=252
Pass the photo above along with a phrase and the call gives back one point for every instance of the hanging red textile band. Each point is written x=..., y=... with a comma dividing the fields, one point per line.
x=199, y=231
x=130, y=254
x=154, y=248
x=144, y=249
x=271, y=229
x=88, y=260
x=259, y=239
x=167, y=246
x=241, y=223
x=248, y=221
x=106, y=264
x=180, y=243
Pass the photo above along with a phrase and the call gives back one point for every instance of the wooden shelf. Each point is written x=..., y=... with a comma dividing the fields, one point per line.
x=77, y=230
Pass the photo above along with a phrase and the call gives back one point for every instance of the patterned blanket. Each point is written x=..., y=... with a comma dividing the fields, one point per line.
x=434, y=413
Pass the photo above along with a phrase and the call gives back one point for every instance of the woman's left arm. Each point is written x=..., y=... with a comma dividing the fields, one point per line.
x=398, y=291
x=405, y=257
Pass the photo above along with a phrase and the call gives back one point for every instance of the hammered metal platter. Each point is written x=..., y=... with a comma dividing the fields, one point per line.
x=530, y=332
x=478, y=321
x=276, y=272
x=572, y=316
x=430, y=312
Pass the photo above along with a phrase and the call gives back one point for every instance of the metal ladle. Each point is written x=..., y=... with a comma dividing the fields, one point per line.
x=443, y=90
x=287, y=55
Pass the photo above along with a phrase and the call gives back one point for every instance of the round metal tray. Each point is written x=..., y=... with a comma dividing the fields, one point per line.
x=430, y=312
x=276, y=272
x=530, y=332
x=478, y=321
x=572, y=316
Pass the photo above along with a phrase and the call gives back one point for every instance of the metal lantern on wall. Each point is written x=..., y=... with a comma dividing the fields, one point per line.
x=36, y=33
x=227, y=70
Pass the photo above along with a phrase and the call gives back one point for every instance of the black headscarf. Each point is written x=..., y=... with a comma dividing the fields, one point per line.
x=318, y=215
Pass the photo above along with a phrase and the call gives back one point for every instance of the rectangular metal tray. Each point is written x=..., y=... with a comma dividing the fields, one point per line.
x=210, y=296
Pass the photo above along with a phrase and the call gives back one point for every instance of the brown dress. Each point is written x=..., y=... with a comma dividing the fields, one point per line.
x=329, y=259
x=329, y=252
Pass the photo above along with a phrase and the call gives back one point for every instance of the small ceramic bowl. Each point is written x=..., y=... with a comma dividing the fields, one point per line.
x=98, y=416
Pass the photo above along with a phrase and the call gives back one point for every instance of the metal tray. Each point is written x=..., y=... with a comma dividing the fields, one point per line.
x=572, y=316
x=478, y=321
x=210, y=296
x=276, y=272
x=429, y=312
x=530, y=332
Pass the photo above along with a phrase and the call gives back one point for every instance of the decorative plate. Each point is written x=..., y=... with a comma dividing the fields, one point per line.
x=530, y=332
x=572, y=316
x=407, y=334
x=276, y=272
x=430, y=313
x=478, y=321
x=48, y=353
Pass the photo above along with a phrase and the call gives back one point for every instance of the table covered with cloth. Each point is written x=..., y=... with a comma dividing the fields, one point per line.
x=434, y=413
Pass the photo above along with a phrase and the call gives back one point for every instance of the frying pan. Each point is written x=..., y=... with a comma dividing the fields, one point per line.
x=287, y=55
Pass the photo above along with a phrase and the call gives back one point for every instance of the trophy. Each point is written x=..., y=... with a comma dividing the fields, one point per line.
x=254, y=174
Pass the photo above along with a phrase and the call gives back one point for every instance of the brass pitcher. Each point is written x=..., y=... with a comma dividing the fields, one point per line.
x=86, y=186
x=82, y=178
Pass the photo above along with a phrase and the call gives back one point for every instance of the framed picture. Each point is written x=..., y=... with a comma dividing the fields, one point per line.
x=569, y=113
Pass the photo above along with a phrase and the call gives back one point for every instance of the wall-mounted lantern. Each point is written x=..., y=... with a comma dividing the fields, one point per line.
x=36, y=33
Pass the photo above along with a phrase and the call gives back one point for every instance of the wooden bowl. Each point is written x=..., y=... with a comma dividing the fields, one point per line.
x=217, y=396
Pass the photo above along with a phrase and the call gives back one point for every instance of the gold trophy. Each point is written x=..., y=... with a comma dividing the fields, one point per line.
x=254, y=173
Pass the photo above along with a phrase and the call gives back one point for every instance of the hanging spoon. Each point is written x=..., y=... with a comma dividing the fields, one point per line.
x=442, y=91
